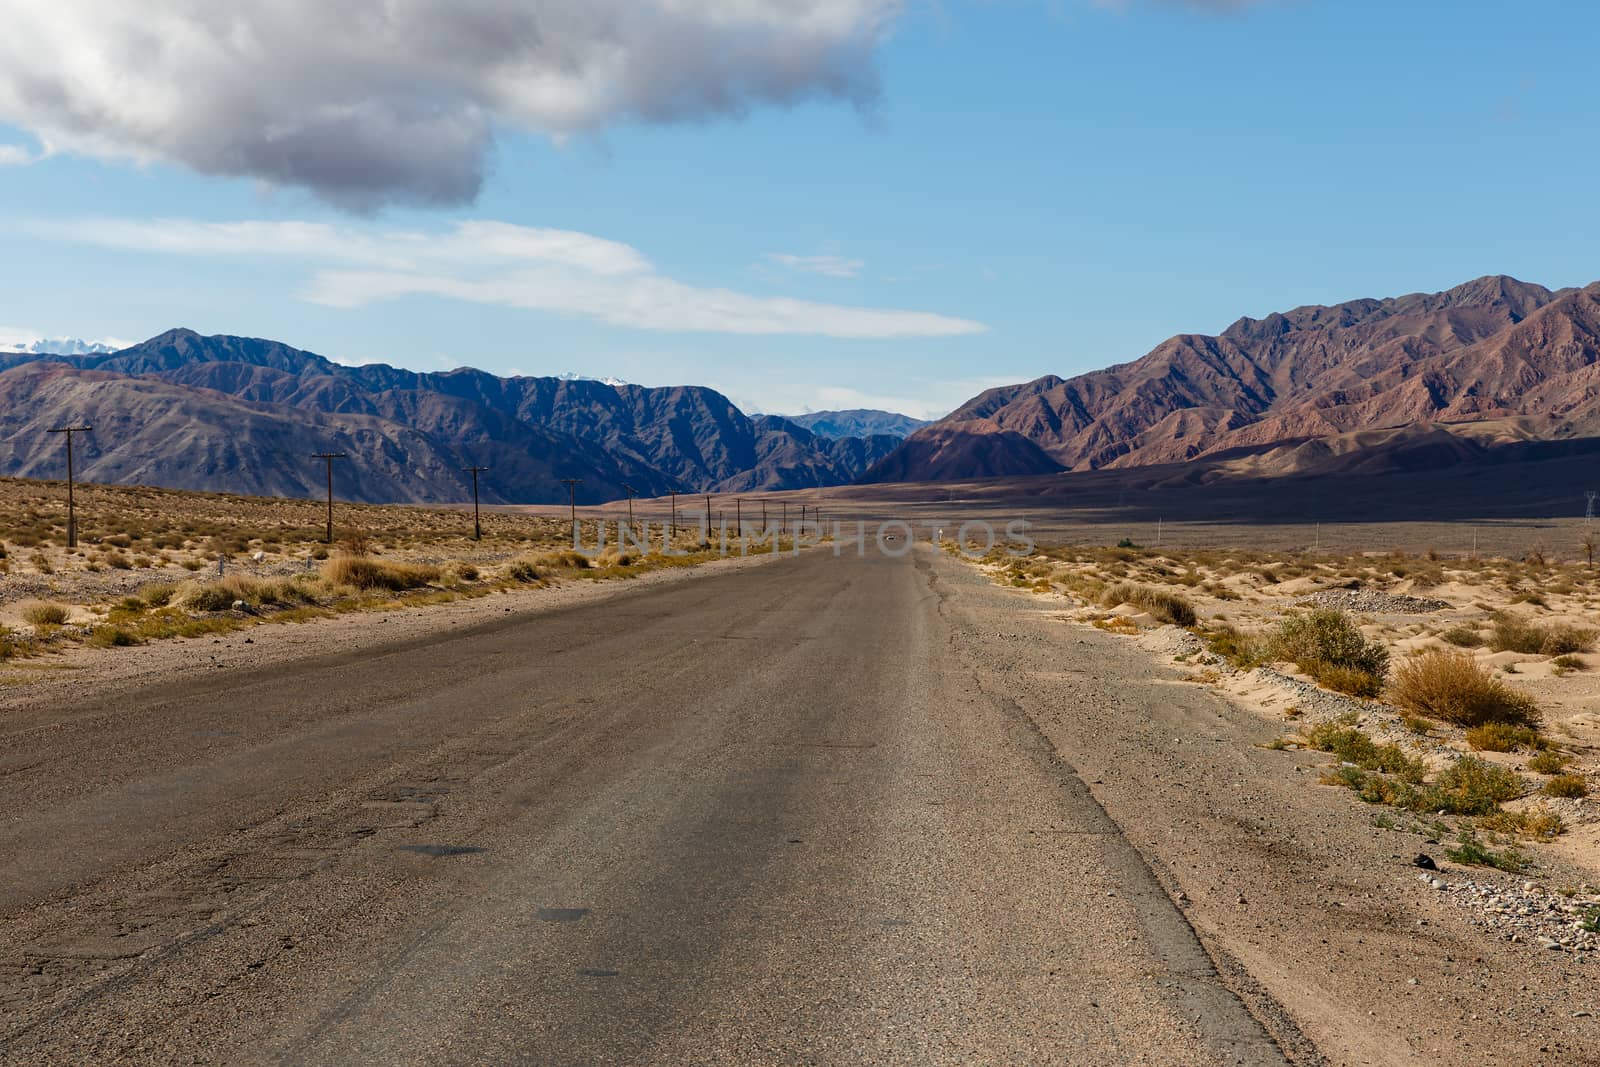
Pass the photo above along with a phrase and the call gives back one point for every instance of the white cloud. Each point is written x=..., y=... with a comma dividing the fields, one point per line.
x=490, y=262
x=368, y=102
x=15, y=155
x=831, y=266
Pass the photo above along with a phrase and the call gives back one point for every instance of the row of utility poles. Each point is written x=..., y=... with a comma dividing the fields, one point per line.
x=477, y=520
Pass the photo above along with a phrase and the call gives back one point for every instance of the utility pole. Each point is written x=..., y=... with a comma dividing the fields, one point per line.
x=784, y=522
x=630, y=490
x=477, y=525
x=738, y=515
x=72, y=506
x=708, y=516
x=763, y=516
x=674, y=494
x=572, y=503
x=328, y=458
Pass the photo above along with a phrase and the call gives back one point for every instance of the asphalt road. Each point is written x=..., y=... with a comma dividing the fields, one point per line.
x=758, y=817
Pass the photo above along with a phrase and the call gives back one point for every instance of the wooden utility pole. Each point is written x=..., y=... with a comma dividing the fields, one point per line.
x=328, y=458
x=738, y=515
x=674, y=494
x=477, y=524
x=572, y=503
x=72, y=506
x=630, y=490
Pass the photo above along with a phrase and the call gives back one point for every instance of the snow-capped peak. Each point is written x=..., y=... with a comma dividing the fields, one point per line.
x=573, y=376
x=61, y=346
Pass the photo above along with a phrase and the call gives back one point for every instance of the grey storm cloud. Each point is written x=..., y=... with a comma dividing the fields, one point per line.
x=368, y=102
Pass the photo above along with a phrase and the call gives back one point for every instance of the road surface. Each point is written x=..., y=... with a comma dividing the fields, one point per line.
x=767, y=816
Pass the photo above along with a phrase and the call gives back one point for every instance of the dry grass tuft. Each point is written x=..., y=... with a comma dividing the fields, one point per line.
x=1164, y=605
x=42, y=613
x=1512, y=633
x=1452, y=687
x=362, y=572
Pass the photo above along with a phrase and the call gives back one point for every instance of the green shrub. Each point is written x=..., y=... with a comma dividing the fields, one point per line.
x=1329, y=647
x=1244, y=651
x=1548, y=762
x=158, y=594
x=1469, y=786
x=1503, y=737
x=1452, y=687
x=1463, y=637
x=1567, y=785
x=1472, y=852
x=1353, y=746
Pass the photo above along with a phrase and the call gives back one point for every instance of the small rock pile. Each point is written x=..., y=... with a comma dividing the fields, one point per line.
x=1372, y=602
x=1530, y=914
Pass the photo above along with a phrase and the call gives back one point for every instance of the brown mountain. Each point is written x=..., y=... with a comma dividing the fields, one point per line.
x=246, y=412
x=1492, y=349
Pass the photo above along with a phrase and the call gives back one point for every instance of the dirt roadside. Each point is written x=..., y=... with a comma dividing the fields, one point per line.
x=1289, y=884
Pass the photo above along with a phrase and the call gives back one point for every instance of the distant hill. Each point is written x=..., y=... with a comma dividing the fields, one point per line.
x=244, y=414
x=858, y=422
x=1492, y=349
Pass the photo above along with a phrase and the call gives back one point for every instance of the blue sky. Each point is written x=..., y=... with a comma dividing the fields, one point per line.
x=1035, y=188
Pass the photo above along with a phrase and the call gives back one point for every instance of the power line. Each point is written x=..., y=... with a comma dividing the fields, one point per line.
x=631, y=491
x=72, y=509
x=328, y=458
x=572, y=503
x=477, y=524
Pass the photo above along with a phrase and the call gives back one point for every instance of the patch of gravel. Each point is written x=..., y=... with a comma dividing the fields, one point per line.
x=1317, y=703
x=1172, y=641
x=1372, y=602
x=1527, y=914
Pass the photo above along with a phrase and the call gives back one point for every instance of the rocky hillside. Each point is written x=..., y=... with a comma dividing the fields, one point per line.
x=1492, y=349
x=193, y=412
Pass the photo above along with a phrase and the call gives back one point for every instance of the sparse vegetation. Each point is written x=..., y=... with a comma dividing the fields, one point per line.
x=1503, y=737
x=1166, y=606
x=365, y=573
x=1469, y=851
x=1353, y=746
x=1453, y=688
x=1463, y=637
x=1567, y=785
x=40, y=613
x=1329, y=647
x=1513, y=633
x=1548, y=761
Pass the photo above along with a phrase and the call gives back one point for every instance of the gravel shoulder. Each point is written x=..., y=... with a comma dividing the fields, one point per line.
x=1289, y=882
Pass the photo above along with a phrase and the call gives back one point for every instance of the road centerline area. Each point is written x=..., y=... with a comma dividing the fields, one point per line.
x=613, y=837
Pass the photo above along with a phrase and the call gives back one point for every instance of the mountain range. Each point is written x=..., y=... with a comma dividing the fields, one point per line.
x=1471, y=375
x=245, y=414
x=1426, y=378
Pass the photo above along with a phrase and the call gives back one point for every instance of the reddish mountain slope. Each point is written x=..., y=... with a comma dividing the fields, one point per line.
x=1492, y=348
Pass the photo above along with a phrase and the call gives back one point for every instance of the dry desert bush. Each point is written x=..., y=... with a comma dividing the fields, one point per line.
x=1452, y=687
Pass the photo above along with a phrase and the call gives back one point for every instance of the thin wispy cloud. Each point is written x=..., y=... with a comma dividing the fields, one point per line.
x=15, y=155
x=828, y=266
x=368, y=102
x=489, y=262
